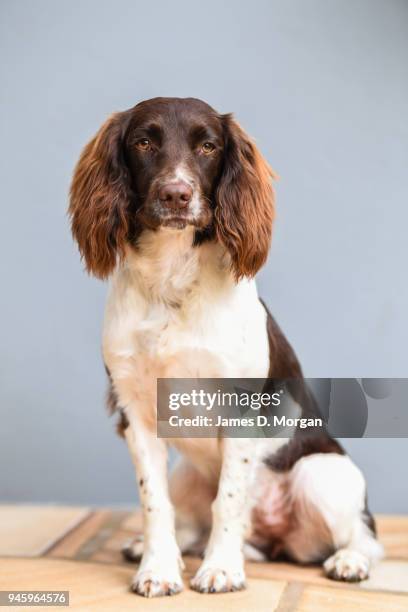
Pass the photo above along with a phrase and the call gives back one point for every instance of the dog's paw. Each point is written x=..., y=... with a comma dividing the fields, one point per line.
x=218, y=580
x=151, y=584
x=133, y=550
x=347, y=565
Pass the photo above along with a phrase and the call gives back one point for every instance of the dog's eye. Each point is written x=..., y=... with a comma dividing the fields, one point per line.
x=143, y=144
x=207, y=148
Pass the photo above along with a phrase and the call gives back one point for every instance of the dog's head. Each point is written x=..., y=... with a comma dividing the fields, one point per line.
x=171, y=162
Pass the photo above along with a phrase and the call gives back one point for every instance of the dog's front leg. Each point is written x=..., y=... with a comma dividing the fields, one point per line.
x=223, y=566
x=159, y=571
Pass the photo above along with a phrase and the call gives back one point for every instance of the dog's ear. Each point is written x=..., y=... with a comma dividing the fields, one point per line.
x=244, y=198
x=100, y=197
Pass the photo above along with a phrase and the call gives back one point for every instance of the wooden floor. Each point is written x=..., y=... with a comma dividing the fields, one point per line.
x=75, y=549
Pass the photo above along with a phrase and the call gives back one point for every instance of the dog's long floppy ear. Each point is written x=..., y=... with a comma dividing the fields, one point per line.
x=244, y=209
x=100, y=196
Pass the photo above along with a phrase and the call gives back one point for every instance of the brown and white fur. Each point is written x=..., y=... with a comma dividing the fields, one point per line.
x=174, y=203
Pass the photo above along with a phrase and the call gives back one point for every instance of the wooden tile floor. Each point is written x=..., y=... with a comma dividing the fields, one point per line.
x=76, y=549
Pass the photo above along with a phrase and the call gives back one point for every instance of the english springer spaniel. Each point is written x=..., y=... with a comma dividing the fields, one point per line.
x=174, y=203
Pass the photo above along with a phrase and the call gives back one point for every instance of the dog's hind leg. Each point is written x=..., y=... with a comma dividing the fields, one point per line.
x=331, y=520
x=192, y=495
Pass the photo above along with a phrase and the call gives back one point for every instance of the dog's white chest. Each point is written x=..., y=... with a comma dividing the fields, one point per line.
x=192, y=321
x=198, y=339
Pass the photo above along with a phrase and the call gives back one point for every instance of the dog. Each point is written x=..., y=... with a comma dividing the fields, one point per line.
x=174, y=203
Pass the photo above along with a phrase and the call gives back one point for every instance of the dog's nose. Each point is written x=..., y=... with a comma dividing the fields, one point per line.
x=176, y=195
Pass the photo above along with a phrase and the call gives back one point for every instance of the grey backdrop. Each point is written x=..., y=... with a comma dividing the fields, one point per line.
x=321, y=85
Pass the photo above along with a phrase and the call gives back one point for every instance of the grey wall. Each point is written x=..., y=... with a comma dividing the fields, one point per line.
x=322, y=86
